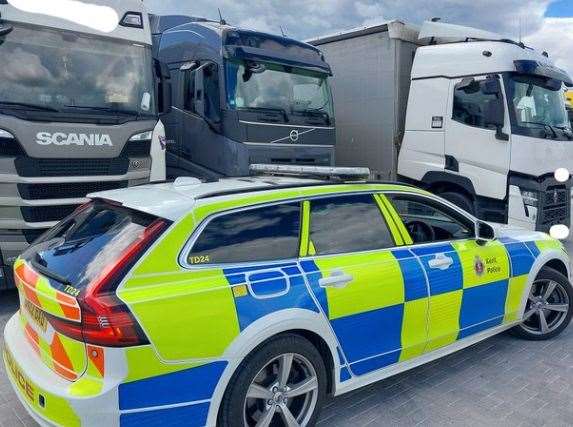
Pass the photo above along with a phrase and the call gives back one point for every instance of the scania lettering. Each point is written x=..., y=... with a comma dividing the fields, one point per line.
x=79, y=111
x=242, y=97
x=468, y=114
x=45, y=138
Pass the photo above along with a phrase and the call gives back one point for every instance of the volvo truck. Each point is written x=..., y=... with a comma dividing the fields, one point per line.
x=79, y=101
x=470, y=115
x=242, y=97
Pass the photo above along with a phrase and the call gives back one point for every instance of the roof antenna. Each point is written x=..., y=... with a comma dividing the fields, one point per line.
x=221, y=20
x=282, y=31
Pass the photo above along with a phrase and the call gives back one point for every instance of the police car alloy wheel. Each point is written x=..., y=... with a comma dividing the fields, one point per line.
x=548, y=310
x=280, y=384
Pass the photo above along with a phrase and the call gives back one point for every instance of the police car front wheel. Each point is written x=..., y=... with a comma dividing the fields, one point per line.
x=281, y=383
x=549, y=307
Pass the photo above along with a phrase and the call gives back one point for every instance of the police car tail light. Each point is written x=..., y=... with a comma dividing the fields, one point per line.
x=106, y=320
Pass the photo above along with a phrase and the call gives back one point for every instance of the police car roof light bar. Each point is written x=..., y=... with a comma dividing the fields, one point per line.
x=324, y=172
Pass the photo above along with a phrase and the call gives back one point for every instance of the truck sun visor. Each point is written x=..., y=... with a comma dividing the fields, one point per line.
x=544, y=70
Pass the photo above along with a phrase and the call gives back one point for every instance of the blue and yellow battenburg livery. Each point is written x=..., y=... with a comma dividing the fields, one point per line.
x=201, y=322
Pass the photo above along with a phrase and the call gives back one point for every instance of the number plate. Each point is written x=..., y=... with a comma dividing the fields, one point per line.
x=36, y=315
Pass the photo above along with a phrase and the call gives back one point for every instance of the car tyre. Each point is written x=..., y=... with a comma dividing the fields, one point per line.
x=259, y=392
x=551, y=298
x=460, y=200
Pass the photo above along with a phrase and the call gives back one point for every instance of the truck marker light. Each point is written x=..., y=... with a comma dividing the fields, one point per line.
x=562, y=174
x=560, y=231
x=100, y=18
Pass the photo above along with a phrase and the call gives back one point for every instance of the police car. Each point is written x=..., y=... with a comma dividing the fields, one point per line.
x=246, y=301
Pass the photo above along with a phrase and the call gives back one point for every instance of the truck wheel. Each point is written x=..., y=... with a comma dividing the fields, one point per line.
x=548, y=310
x=283, y=382
x=460, y=201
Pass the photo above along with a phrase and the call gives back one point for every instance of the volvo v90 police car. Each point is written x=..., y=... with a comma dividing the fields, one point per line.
x=244, y=302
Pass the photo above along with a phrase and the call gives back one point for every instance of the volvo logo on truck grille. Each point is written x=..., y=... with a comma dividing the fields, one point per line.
x=80, y=139
x=294, y=135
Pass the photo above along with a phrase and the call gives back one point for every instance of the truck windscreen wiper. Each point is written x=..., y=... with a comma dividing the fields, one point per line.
x=25, y=105
x=105, y=109
x=545, y=126
x=263, y=110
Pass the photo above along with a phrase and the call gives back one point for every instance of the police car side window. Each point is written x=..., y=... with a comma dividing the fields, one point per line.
x=429, y=221
x=263, y=234
x=348, y=224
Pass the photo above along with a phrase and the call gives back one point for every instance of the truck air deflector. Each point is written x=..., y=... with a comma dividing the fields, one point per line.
x=537, y=68
x=245, y=53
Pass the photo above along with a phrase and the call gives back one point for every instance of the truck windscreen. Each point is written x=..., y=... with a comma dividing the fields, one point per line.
x=271, y=86
x=61, y=70
x=537, y=105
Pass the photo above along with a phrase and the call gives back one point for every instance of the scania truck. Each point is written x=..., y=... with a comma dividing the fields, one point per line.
x=242, y=97
x=470, y=115
x=79, y=100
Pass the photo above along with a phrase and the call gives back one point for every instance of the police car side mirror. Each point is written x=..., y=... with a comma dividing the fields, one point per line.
x=484, y=232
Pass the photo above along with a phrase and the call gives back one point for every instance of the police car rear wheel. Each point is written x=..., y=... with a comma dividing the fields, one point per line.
x=282, y=383
x=548, y=310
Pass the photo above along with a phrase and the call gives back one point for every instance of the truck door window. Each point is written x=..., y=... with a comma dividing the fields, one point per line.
x=211, y=91
x=206, y=90
x=348, y=224
x=471, y=103
x=189, y=89
x=263, y=234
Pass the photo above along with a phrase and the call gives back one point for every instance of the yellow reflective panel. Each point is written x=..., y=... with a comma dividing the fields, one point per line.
x=414, y=329
x=186, y=315
x=515, y=295
x=377, y=282
x=482, y=264
x=444, y=323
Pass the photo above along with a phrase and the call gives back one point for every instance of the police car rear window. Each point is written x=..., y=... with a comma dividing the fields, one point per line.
x=80, y=246
x=262, y=234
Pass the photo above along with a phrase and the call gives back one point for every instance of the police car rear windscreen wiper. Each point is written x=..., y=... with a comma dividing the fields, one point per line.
x=27, y=106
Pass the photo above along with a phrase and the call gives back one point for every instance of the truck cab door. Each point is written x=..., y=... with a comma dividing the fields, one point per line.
x=477, y=142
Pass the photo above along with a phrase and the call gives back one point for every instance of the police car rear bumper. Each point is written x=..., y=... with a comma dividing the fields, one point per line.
x=44, y=394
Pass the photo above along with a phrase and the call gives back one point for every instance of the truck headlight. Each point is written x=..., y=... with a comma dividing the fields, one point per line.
x=5, y=134
x=144, y=136
x=530, y=198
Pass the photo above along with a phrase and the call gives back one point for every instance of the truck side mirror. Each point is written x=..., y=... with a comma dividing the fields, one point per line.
x=199, y=97
x=495, y=117
x=163, y=78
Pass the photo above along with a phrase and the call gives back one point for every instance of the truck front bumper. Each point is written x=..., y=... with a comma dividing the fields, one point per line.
x=553, y=207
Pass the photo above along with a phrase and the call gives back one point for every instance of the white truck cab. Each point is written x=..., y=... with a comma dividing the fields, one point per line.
x=487, y=127
x=465, y=113
x=80, y=101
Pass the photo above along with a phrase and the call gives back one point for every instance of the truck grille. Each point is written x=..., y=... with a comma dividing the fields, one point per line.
x=137, y=149
x=554, y=208
x=46, y=213
x=66, y=190
x=31, y=167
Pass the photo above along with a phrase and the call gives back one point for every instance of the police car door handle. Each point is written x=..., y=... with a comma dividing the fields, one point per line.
x=338, y=279
x=441, y=262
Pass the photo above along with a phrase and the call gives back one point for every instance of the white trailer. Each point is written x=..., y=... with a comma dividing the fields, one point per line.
x=472, y=116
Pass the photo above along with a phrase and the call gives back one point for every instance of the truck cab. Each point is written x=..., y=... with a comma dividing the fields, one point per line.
x=241, y=97
x=79, y=111
x=486, y=127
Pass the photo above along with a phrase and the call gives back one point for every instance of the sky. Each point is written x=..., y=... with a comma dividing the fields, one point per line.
x=544, y=24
